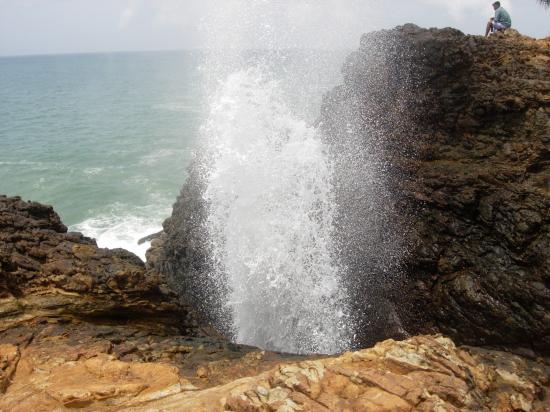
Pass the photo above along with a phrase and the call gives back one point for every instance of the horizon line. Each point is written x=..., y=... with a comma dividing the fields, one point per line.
x=75, y=53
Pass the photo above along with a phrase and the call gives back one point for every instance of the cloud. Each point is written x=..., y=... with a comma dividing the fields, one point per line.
x=174, y=12
x=127, y=15
x=457, y=9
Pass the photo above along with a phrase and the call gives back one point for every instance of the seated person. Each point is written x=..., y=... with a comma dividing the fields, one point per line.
x=500, y=22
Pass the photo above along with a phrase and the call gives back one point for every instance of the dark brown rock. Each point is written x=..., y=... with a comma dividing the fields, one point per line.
x=47, y=271
x=461, y=128
x=181, y=254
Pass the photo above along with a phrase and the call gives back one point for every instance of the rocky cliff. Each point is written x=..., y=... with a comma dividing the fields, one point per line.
x=460, y=126
x=442, y=147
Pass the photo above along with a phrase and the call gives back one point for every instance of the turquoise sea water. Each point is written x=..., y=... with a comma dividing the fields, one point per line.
x=106, y=138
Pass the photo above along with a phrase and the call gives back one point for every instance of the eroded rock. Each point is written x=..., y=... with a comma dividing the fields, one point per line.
x=47, y=271
x=425, y=373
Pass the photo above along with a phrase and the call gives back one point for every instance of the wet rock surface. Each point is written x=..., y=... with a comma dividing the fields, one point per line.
x=462, y=124
x=182, y=254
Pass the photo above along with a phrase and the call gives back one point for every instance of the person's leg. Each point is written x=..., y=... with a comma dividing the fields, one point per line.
x=489, y=27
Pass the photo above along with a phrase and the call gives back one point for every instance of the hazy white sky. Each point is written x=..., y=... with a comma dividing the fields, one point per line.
x=65, y=26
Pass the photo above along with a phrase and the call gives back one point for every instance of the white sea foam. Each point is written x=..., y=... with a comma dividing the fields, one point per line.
x=19, y=163
x=270, y=221
x=93, y=171
x=122, y=229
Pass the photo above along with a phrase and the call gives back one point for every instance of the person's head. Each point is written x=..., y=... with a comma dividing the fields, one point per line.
x=496, y=5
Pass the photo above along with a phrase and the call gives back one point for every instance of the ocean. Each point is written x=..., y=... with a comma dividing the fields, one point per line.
x=106, y=138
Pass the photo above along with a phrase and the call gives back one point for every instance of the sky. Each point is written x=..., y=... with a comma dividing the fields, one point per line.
x=30, y=27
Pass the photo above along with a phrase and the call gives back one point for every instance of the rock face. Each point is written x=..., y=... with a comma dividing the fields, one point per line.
x=461, y=128
x=49, y=272
x=424, y=373
x=181, y=254
x=443, y=155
